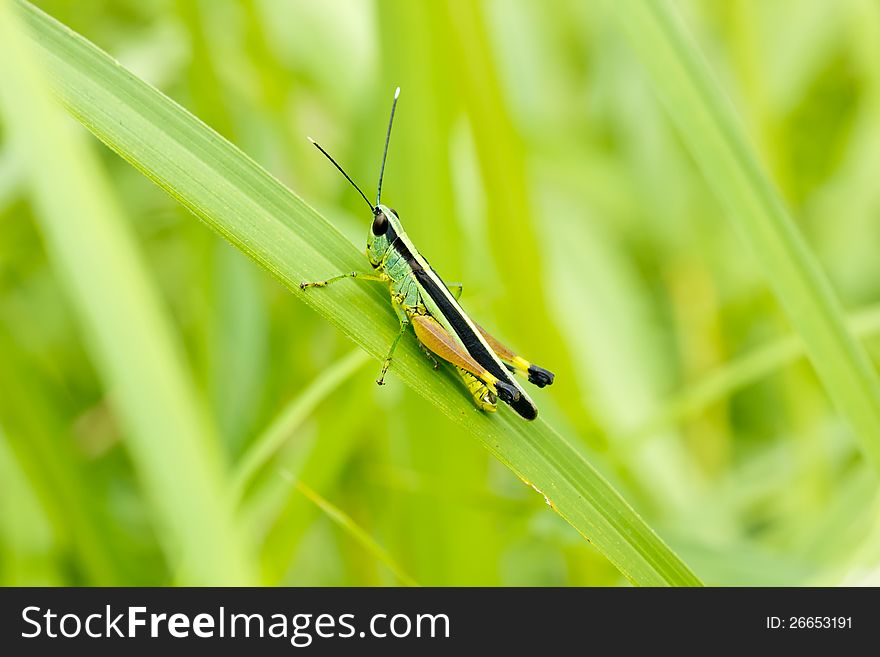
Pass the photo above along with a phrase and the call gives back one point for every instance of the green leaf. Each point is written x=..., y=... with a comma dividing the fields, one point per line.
x=129, y=337
x=290, y=418
x=711, y=130
x=236, y=197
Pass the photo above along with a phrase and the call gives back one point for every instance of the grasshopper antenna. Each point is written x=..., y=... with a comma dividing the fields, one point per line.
x=387, y=139
x=342, y=171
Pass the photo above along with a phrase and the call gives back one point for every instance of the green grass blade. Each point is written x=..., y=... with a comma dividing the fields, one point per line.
x=125, y=328
x=293, y=415
x=710, y=129
x=354, y=530
x=236, y=197
x=742, y=372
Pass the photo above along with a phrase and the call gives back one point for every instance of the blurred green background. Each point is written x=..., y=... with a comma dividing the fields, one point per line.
x=531, y=161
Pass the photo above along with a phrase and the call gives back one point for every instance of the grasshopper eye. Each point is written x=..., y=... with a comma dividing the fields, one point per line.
x=380, y=224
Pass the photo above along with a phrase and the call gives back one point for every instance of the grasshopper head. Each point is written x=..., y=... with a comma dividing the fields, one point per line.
x=383, y=231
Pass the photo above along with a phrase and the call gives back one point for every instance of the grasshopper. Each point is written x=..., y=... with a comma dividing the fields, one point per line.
x=421, y=299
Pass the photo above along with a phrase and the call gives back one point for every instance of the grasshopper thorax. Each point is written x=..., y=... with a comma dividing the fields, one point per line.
x=383, y=231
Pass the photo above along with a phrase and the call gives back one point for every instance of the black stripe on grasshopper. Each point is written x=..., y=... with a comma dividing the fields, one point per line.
x=508, y=390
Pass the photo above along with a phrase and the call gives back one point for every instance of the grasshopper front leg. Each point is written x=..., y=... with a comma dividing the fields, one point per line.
x=401, y=314
x=356, y=275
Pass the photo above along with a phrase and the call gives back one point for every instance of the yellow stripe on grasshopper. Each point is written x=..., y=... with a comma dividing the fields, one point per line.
x=521, y=364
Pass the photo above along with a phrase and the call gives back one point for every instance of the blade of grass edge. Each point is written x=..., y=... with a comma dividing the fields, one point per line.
x=236, y=197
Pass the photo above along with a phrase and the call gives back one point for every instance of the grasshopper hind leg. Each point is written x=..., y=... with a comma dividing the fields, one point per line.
x=484, y=398
x=433, y=336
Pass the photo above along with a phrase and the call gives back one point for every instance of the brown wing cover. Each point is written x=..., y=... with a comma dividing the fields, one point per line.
x=503, y=352
x=432, y=334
